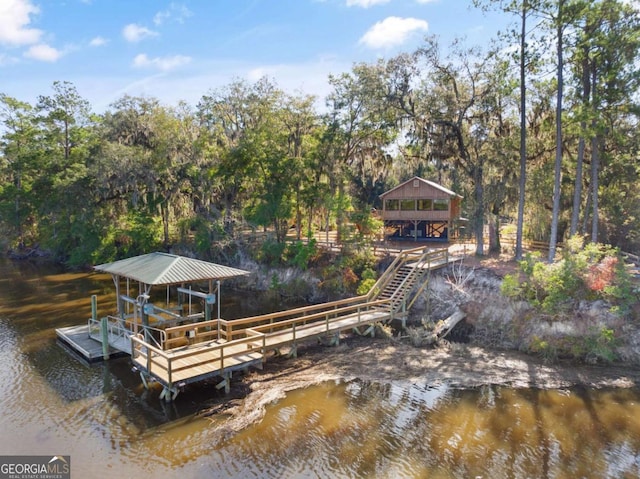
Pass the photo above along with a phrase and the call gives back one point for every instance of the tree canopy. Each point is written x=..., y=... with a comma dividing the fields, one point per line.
x=143, y=175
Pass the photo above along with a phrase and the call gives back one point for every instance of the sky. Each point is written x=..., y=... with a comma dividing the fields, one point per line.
x=181, y=50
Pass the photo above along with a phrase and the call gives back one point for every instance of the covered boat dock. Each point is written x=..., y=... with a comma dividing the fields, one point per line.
x=135, y=314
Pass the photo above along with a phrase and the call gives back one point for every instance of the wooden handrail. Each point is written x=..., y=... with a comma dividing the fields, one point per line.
x=322, y=315
x=169, y=358
x=192, y=326
x=296, y=311
x=419, y=254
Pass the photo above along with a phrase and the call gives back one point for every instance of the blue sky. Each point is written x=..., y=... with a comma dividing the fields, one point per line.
x=180, y=50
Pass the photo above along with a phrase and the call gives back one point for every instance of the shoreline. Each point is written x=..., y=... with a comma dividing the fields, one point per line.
x=383, y=360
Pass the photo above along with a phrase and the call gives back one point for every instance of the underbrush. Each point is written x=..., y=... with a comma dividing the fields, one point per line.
x=584, y=307
x=589, y=272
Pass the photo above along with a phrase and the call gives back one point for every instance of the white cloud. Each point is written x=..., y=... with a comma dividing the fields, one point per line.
x=43, y=52
x=161, y=63
x=134, y=33
x=365, y=3
x=427, y=1
x=98, y=42
x=15, y=17
x=176, y=12
x=7, y=60
x=392, y=31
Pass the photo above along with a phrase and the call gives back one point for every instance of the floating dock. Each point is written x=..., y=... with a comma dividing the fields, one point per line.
x=79, y=341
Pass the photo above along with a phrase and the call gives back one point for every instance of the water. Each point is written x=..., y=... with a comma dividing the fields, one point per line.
x=100, y=415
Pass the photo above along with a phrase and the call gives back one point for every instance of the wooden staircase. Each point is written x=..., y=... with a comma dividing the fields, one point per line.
x=407, y=276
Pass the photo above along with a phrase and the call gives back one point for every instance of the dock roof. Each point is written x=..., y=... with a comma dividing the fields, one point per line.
x=164, y=268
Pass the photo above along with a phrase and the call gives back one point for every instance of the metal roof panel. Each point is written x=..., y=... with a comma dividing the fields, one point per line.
x=164, y=268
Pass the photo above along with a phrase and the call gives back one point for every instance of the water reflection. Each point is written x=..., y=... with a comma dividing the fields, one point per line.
x=372, y=430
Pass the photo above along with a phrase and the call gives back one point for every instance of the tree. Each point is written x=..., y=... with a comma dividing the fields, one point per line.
x=459, y=119
x=20, y=164
x=523, y=9
x=560, y=26
x=363, y=127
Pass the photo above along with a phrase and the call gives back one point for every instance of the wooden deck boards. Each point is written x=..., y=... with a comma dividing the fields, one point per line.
x=78, y=339
x=194, y=363
x=277, y=339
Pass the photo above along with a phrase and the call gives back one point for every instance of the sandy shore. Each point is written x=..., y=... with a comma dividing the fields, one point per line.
x=383, y=360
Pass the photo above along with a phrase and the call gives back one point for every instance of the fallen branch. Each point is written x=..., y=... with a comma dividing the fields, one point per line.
x=445, y=326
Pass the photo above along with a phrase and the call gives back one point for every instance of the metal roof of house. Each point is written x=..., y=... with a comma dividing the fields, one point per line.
x=430, y=183
x=164, y=268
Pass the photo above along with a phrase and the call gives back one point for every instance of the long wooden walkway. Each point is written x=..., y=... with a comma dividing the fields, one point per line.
x=217, y=348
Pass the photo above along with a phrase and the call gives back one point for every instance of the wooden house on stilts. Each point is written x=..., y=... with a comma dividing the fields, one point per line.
x=420, y=209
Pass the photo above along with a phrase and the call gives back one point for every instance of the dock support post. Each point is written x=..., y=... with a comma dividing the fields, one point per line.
x=225, y=383
x=144, y=380
x=94, y=307
x=293, y=353
x=104, y=329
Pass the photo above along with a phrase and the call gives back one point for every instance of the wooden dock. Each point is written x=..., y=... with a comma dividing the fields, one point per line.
x=217, y=348
x=178, y=355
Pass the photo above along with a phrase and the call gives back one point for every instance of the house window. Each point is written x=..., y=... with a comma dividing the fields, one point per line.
x=392, y=205
x=441, y=205
x=408, y=205
x=425, y=205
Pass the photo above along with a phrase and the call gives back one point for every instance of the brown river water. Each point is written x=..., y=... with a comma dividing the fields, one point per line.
x=100, y=415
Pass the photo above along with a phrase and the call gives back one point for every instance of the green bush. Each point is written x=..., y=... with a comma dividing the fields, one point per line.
x=511, y=287
x=272, y=252
x=300, y=254
x=365, y=286
x=592, y=271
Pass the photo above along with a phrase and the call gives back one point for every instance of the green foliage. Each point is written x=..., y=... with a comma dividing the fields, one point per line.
x=369, y=278
x=586, y=271
x=365, y=286
x=600, y=345
x=272, y=252
x=544, y=348
x=368, y=273
x=358, y=261
x=300, y=254
x=511, y=286
x=200, y=233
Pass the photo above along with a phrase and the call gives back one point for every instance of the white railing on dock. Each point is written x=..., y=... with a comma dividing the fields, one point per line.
x=118, y=331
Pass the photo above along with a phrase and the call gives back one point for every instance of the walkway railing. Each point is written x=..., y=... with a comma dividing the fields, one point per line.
x=118, y=331
x=420, y=259
x=326, y=319
x=233, y=327
x=192, y=363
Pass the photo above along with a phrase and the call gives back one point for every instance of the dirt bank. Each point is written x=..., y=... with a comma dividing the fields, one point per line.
x=500, y=328
x=383, y=360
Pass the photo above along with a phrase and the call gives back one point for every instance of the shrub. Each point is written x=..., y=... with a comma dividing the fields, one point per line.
x=300, y=254
x=511, y=287
x=592, y=271
x=271, y=252
x=365, y=286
